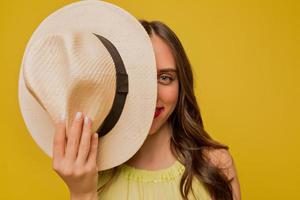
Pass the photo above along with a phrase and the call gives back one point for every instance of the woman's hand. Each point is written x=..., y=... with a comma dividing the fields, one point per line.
x=74, y=158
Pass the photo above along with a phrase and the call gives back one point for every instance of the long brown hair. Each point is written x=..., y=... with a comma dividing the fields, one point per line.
x=189, y=139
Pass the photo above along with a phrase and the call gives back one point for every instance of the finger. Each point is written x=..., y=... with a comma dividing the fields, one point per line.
x=85, y=142
x=74, y=137
x=59, y=141
x=93, y=150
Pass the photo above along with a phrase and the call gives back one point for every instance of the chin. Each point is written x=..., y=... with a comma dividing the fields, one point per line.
x=159, y=121
x=153, y=130
x=156, y=126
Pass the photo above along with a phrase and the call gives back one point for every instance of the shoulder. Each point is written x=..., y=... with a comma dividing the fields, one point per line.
x=222, y=159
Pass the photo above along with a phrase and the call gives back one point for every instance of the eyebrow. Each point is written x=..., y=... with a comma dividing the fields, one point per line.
x=167, y=70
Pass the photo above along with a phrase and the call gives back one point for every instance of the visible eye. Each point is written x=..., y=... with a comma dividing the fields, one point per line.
x=165, y=79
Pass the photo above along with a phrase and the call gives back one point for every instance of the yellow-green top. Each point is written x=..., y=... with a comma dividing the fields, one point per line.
x=131, y=183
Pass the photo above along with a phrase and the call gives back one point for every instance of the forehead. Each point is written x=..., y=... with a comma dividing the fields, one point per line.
x=163, y=54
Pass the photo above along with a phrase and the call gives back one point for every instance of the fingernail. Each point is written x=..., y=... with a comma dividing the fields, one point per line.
x=95, y=135
x=78, y=115
x=86, y=120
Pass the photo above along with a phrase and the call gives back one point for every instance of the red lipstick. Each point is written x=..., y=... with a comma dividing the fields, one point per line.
x=158, y=111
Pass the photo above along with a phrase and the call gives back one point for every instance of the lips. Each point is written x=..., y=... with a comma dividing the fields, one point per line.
x=158, y=110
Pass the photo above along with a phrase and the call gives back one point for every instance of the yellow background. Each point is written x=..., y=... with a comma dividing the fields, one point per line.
x=245, y=56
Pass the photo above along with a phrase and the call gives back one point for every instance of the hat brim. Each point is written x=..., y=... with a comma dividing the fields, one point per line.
x=135, y=48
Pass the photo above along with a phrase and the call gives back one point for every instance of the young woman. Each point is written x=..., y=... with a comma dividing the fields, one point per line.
x=178, y=160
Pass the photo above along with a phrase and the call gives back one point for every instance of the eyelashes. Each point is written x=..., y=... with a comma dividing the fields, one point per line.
x=165, y=79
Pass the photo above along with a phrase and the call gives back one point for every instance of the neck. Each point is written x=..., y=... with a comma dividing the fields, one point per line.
x=155, y=152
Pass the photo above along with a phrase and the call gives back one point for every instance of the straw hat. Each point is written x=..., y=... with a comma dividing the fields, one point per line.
x=94, y=57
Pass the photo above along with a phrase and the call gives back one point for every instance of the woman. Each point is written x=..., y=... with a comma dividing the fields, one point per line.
x=178, y=152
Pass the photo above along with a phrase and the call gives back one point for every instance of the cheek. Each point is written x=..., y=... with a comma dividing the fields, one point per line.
x=168, y=94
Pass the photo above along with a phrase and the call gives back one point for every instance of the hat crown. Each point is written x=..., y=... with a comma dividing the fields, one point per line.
x=62, y=71
x=55, y=78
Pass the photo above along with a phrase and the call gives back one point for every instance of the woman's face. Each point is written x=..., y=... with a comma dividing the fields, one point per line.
x=167, y=83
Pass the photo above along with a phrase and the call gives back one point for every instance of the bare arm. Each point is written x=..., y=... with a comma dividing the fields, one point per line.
x=74, y=157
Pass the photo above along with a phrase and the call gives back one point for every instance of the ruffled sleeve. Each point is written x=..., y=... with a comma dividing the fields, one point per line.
x=222, y=159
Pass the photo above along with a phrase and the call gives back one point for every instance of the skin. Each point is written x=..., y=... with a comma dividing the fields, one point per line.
x=79, y=171
x=155, y=152
x=74, y=158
